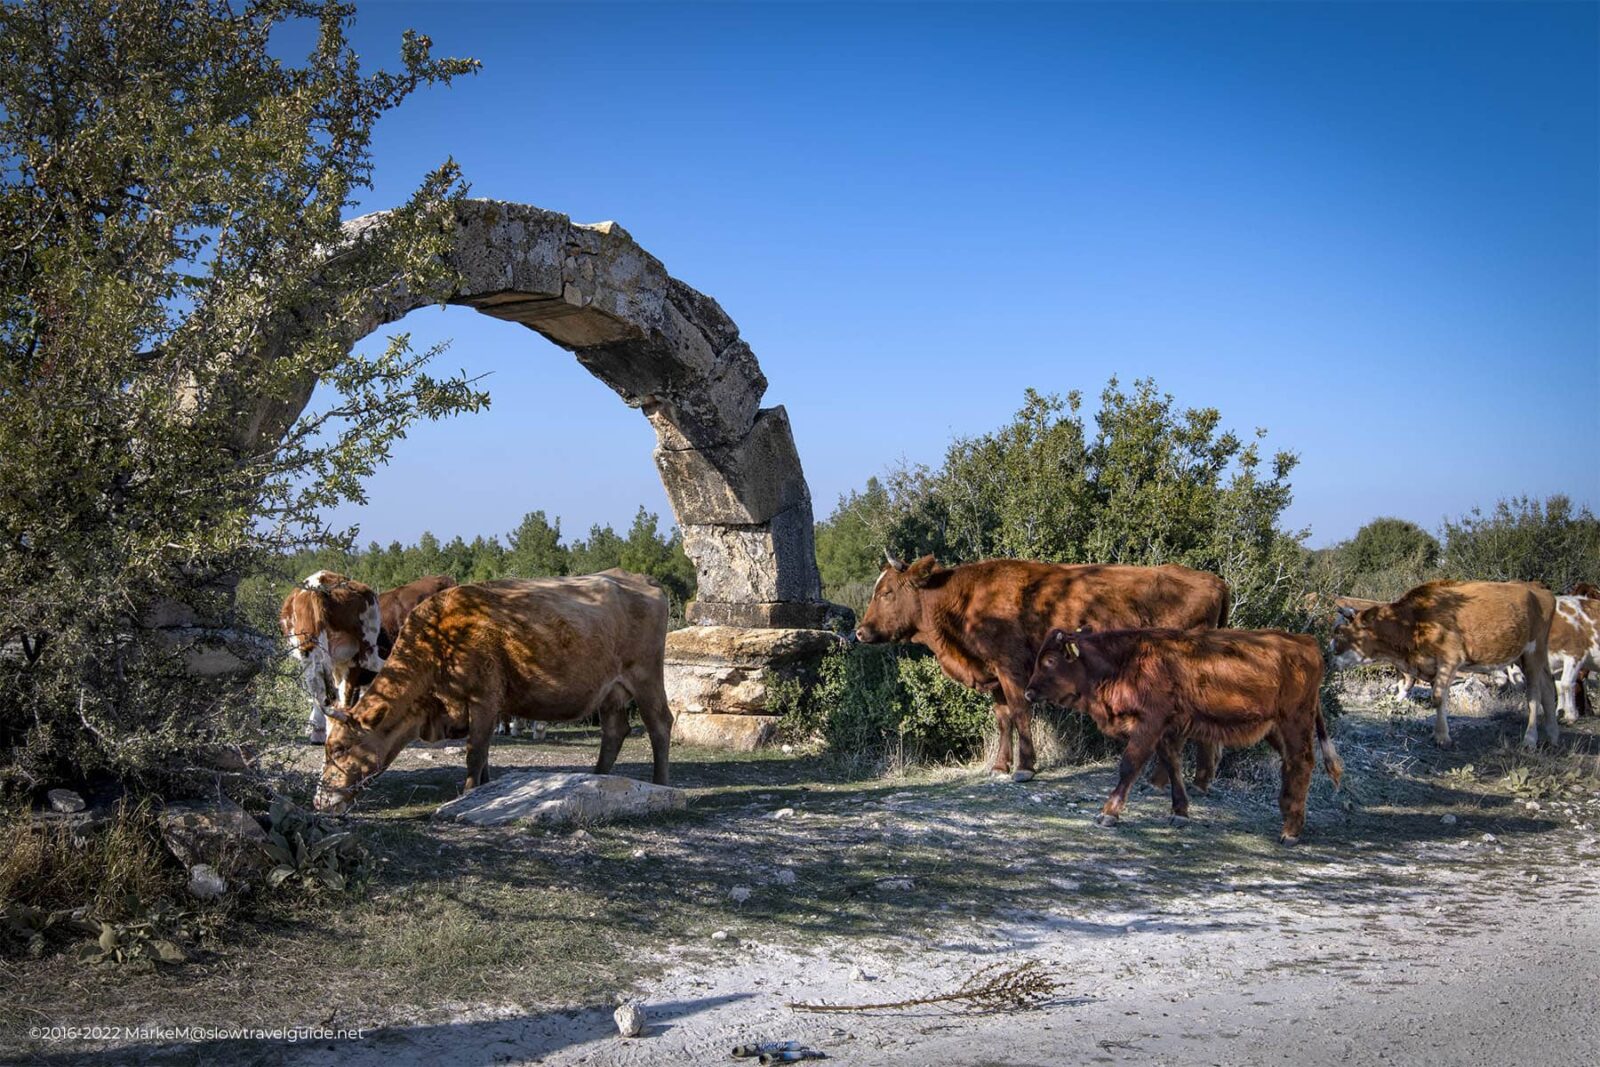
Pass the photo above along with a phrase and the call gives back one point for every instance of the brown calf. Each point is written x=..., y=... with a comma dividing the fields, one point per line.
x=394, y=605
x=1230, y=687
x=985, y=621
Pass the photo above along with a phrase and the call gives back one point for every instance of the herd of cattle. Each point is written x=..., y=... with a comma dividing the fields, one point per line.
x=1146, y=652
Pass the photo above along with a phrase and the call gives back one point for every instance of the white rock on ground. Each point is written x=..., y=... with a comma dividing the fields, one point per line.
x=205, y=883
x=65, y=801
x=630, y=1019
x=558, y=798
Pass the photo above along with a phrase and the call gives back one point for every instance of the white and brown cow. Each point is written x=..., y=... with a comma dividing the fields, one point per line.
x=1574, y=650
x=331, y=623
x=1441, y=628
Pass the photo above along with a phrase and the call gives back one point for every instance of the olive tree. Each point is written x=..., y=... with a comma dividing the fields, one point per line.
x=172, y=193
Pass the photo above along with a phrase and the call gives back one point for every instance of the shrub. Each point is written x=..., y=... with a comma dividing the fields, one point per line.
x=1524, y=539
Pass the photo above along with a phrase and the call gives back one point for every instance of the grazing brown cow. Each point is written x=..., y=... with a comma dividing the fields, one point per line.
x=1443, y=627
x=555, y=649
x=1230, y=687
x=331, y=623
x=985, y=622
x=396, y=605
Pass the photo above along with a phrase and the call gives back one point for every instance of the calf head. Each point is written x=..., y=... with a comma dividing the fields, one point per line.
x=895, y=611
x=1058, y=670
x=352, y=756
x=1355, y=637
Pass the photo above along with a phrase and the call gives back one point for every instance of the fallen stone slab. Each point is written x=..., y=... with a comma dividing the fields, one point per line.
x=555, y=798
x=217, y=833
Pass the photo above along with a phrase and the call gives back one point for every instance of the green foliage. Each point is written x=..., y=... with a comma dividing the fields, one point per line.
x=1387, y=543
x=871, y=700
x=1524, y=539
x=311, y=853
x=1153, y=484
x=535, y=549
x=167, y=180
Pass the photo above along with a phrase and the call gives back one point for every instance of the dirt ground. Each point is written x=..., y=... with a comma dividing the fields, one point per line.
x=1442, y=909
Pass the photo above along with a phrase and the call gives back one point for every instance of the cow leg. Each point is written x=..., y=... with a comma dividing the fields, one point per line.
x=1298, y=760
x=1141, y=746
x=1441, y=705
x=480, y=733
x=1002, y=721
x=657, y=716
x=1207, y=754
x=1567, y=688
x=1541, y=692
x=1022, y=722
x=613, y=730
x=1170, y=753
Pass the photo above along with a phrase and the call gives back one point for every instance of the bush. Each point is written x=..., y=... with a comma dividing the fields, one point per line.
x=1524, y=539
x=875, y=701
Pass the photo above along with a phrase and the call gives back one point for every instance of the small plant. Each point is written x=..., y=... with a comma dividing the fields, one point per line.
x=312, y=853
x=1525, y=781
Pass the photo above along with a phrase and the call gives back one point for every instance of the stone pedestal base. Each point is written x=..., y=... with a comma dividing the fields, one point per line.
x=717, y=680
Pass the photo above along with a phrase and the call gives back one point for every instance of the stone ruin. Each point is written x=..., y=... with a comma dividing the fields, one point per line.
x=729, y=465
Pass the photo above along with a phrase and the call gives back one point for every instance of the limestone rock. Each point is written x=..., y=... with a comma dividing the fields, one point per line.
x=738, y=733
x=560, y=798
x=740, y=646
x=64, y=801
x=807, y=615
x=205, y=883
x=757, y=563
x=217, y=833
x=630, y=1019
x=742, y=484
x=695, y=688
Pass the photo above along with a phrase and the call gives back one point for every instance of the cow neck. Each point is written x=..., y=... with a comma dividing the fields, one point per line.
x=940, y=629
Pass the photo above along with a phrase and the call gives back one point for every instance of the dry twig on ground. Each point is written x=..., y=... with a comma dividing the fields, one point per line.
x=989, y=989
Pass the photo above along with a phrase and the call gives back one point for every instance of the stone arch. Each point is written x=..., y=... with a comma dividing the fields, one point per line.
x=729, y=465
x=730, y=468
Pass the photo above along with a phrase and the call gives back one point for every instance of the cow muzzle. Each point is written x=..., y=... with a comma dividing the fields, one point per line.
x=332, y=801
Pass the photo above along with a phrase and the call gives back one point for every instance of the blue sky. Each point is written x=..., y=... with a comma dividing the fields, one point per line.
x=1370, y=228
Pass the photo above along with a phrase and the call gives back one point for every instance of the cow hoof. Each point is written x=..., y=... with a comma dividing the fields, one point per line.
x=1288, y=842
x=1569, y=720
x=1105, y=820
x=1177, y=820
x=1022, y=776
x=1531, y=742
x=1444, y=742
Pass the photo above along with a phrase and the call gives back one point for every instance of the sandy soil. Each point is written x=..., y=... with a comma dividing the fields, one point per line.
x=1419, y=923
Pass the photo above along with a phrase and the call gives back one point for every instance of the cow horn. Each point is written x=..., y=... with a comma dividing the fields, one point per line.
x=891, y=561
x=338, y=713
x=1346, y=612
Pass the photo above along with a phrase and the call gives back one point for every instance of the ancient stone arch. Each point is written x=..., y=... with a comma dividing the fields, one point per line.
x=729, y=465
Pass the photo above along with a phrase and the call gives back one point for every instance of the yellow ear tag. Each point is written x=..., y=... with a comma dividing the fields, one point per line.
x=1072, y=647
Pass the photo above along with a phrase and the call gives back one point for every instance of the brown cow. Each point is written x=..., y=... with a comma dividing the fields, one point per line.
x=331, y=623
x=985, y=621
x=1443, y=627
x=543, y=648
x=1581, y=701
x=395, y=606
x=1152, y=688
x=1408, y=681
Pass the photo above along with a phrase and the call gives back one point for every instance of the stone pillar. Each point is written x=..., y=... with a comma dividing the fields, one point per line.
x=718, y=680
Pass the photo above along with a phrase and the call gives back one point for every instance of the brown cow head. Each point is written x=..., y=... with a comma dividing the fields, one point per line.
x=1058, y=671
x=357, y=750
x=1355, y=636
x=1587, y=589
x=895, y=611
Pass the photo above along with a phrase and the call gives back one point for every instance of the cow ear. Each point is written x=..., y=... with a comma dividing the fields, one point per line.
x=1346, y=613
x=923, y=569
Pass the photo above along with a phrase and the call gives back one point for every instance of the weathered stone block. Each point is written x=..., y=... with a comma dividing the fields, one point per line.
x=744, y=484
x=756, y=564
x=812, y=615
x=559, y=798
x=741, y=646
x=693, y=688
x=738, y=733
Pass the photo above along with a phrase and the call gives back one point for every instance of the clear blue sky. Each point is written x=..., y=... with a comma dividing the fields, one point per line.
x=1369, y=228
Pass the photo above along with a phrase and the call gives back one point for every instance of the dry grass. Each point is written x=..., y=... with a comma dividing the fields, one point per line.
x=118, y=869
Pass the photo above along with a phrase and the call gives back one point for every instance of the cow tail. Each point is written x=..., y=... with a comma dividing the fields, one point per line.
x=1331, y=763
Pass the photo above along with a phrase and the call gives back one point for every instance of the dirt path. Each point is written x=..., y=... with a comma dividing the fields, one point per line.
x=1444, y=908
